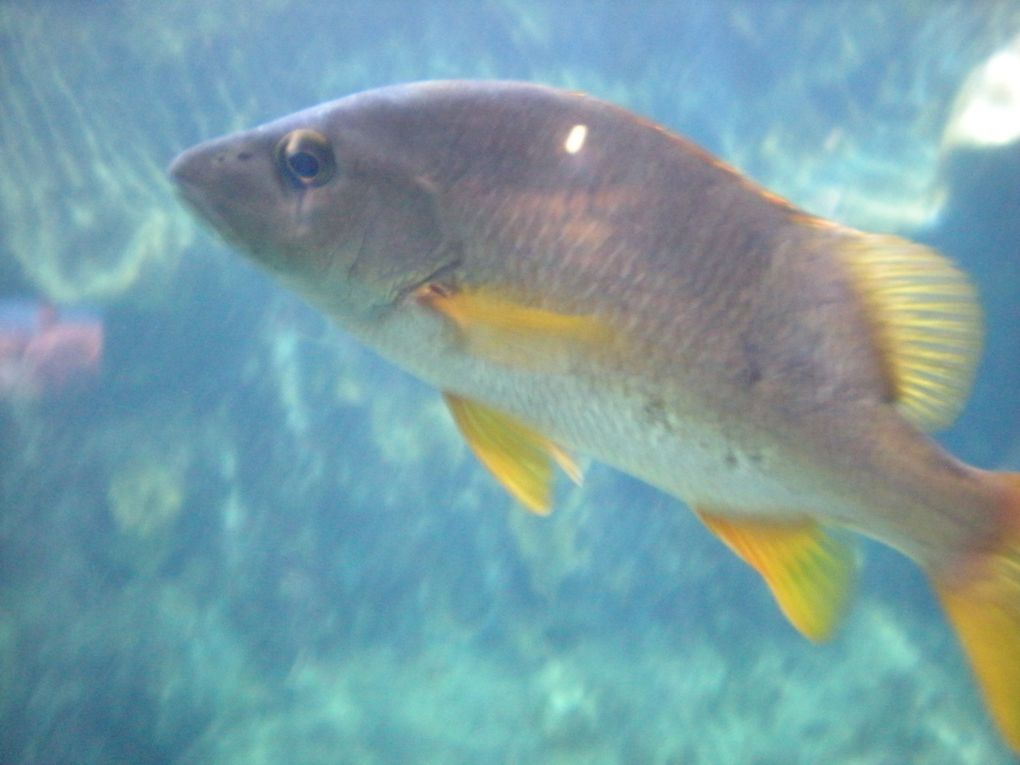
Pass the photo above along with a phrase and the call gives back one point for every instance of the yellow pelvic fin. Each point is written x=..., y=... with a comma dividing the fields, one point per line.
x=809, y=572
x=927, y=322
x=985, y=610
x=511, y=333
x=520, y=457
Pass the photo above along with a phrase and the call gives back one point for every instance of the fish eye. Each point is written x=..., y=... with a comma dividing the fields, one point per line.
x=305, y=158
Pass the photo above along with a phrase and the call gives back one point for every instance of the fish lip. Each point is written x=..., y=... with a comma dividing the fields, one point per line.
x=192, y=196
x=178, y=168
x=174, y=168
x=186, y=177
x=184, y=183
x=191, y=190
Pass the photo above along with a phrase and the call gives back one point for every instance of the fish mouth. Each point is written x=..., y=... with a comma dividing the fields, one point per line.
x=187, y=186
x=192, y=198
x=178, y=169
x=190, y=179
x=184, y=171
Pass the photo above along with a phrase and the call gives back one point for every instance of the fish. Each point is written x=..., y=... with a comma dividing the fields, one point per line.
x=47, y=351
x=577, y=279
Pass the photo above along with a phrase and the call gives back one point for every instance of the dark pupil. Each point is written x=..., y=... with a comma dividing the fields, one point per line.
x=304, y=164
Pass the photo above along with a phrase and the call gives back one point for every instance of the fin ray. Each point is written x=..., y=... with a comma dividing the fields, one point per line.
x=511, y=333
x=927, y=321
x=521, y=458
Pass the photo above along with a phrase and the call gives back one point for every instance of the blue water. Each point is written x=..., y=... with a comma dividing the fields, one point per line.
x=255, y=542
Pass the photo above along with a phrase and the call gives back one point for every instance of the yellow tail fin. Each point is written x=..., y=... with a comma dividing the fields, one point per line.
x=985, y=609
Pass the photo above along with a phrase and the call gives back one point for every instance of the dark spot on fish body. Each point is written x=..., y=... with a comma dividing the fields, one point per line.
x=750, y=374
x=654, y=411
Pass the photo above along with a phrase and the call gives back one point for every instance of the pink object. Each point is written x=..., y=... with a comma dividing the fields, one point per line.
x=44, y=352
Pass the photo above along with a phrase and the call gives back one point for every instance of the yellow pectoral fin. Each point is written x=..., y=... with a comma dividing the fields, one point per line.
x=512, y=334
x=985, y=610
x=809, y=572
x=927, y=323
x=521, y=458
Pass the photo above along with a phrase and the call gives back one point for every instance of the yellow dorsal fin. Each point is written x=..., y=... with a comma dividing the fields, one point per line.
x=927, y=320
x=985, y=610
x=809, y=572
x=510, y=333
x=520, y=457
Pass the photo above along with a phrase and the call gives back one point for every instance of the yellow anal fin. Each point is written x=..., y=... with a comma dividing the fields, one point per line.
x=927, y=323
x=985, y=610
x=520, y=457
x=510, y=333
x=809, y=572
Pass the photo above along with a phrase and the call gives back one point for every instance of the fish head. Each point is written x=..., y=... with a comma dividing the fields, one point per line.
x=318, y=200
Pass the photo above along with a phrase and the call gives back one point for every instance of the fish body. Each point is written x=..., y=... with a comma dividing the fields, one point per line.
x=576, y=278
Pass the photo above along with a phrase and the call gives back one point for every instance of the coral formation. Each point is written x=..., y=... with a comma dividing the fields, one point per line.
x=146, y=496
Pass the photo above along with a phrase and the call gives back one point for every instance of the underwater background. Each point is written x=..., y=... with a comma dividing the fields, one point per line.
x=245, y=539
